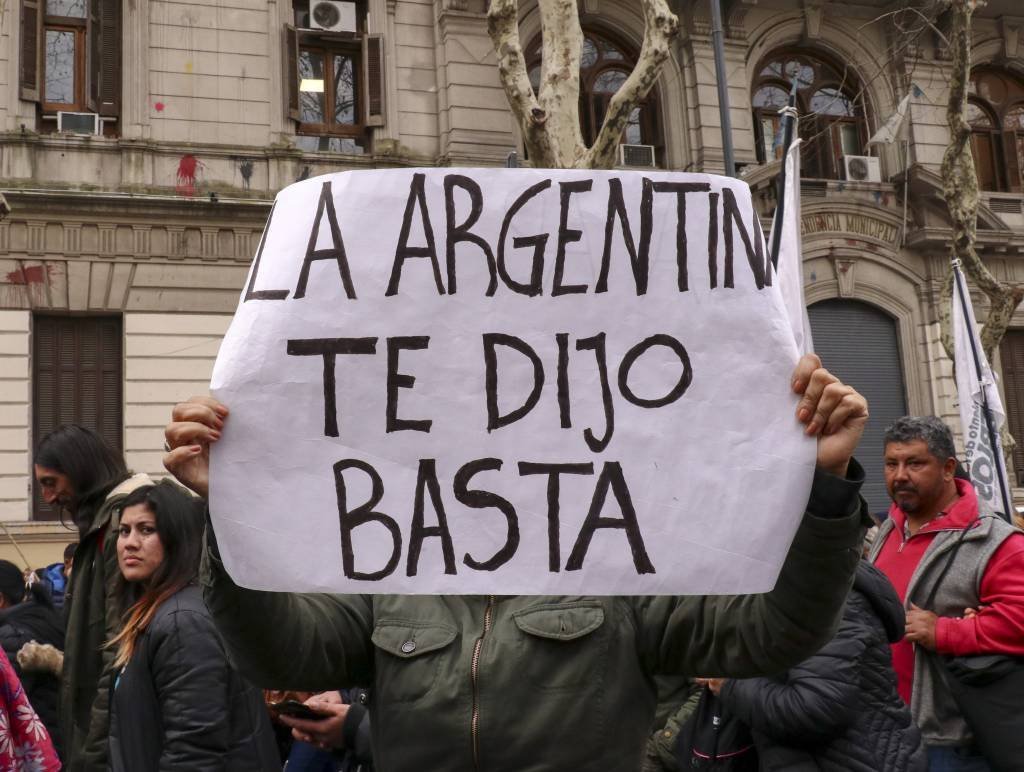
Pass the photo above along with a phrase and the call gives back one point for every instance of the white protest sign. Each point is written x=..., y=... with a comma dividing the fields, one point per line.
x=513, y=382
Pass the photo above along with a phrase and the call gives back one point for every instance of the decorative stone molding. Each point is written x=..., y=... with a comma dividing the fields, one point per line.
x=1011, y=27
x=844, y=276
x=72, y=239
x=208, y=243
x=812, y=19
x=177, y=246
x=141, y=240
x=36, y=232
x=108, y=240
x=243, y=247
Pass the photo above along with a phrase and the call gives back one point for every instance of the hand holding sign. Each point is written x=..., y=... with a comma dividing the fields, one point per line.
x=832, y=411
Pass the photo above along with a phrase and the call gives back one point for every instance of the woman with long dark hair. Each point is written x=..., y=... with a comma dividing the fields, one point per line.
x=176, y=702
x=85, y=478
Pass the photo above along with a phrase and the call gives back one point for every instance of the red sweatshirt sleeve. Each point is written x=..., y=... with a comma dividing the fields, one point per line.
x=999, y=626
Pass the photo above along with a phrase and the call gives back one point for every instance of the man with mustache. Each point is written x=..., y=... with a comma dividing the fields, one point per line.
x=978, y=607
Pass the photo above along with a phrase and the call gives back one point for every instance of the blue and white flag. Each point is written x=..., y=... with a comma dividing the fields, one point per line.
x=976, y=386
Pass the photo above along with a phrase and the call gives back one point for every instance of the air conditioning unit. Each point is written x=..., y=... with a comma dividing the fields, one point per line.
x=332, y=15
x=640, y=156
x=862, y=168
x=79, y=123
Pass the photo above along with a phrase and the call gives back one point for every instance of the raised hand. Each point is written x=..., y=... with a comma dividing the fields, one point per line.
x=831, y=411
x=194, y=426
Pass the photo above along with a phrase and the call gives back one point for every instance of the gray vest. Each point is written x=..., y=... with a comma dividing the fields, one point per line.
x=932, y=706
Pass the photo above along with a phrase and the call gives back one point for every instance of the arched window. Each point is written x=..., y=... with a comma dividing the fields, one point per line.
x=995, y=111
x=604, y=66
x=831, y=111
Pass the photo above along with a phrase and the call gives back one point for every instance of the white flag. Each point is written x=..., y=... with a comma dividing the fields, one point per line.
x=985, y=463
x=895, y=127
x=790, y=263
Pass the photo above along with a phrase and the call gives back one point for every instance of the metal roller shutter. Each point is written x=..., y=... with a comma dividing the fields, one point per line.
x=859, y=344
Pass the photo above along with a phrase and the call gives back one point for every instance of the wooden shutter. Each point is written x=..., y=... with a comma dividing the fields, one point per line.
x=31, y=43
x=108, y=54
x=1010, y=152
x=76, y=378
x=373, y=79
x=1011, y=357
x=291, y=72
x=94, y=56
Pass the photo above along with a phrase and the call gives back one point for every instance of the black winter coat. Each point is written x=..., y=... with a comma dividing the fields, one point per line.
x=838, y=710
x=32, y=621
x=179, y=705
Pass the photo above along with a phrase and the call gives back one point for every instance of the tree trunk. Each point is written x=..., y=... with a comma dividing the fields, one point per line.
x=960, y=189
x=550, y=119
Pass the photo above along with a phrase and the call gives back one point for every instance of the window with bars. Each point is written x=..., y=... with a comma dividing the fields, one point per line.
x=995, y=111
x=1011, y=356
x=335, y=76
x=70, y=57
x=832, y=117
x=605, y=64
x=77, y=377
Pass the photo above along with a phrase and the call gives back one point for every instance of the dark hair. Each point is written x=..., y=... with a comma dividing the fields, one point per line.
x=15, y=590
x=179, y=524
x=91, y=465
x=935, y=434
x=70, y=550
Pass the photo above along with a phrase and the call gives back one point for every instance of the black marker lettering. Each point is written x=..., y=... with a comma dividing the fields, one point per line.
x=417, y=196
x=478, y=499
x=611, y=475
x=397, y=380
x=335, y=252
x=352, y=519
x=553, y=471
x=329, y=348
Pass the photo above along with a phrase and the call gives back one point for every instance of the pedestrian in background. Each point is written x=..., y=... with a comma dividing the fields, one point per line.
x=177, y=702
x=86, y=479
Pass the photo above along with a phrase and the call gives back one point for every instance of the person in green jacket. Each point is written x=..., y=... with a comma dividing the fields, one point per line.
x=535, y=683
x=79, y=473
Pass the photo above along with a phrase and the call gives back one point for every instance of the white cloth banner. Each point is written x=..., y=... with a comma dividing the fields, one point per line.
x=509, y=381
x=790, y=264
x=984, y=463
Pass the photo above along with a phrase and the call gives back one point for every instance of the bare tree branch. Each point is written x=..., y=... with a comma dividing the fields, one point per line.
x=960, y=186
x=660, y=27
x=503, y=27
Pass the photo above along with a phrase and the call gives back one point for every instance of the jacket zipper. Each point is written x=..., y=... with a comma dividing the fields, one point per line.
x=474, y=725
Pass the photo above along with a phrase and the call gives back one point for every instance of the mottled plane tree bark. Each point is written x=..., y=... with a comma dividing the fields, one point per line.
x=550, y=119
x=960, y=189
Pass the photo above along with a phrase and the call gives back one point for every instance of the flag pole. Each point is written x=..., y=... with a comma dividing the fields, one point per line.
x=997, y=448
x=789, y=115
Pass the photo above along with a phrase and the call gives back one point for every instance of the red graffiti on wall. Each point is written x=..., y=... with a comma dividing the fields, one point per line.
x=34, y=274
x=188, y=166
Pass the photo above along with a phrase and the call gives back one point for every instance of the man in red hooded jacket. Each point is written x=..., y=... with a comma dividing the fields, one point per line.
x=978, y=606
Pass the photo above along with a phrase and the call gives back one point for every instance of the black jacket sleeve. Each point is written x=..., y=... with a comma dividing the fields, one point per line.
x=191, y=676
x=809, y=704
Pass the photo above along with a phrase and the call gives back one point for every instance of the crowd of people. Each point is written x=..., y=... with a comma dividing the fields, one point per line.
x=140, y=653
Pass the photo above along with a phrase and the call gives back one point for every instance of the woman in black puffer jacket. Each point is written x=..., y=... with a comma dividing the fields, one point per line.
x=838, y=710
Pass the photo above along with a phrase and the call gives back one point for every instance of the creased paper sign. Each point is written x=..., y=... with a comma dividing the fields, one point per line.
x=512, y=382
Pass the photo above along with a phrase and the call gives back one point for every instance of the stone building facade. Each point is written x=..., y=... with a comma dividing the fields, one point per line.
x=141, y=145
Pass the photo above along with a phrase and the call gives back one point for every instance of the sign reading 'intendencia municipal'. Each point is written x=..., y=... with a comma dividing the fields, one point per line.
x=509, y=381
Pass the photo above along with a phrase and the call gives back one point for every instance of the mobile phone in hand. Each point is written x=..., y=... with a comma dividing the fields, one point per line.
x=296, y=709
